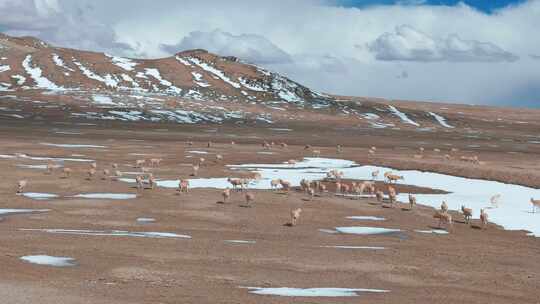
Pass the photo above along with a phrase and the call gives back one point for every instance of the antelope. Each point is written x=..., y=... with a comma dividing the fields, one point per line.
x=291, y=161
x=266, y=145
x=66, y=172
x=226, y=194
x=219, y=157
x=155, y=162
x=274, y=184
x=373, y=148
x=283, y=145
x=444, y=207
x=339, y=149
x=244, y=182
x=483, y=218
x=391, y=190
x=152, y=181
x=467, y=213
x=380, y=195
x=316, y=153
x=393, y=200
x=250, y=197
x=295, y=215
x=195, y=170
x=233, y=143
x=201, y=161
x=139, y=163
x=50, y=168
x=304, y=185
x=114, y=166
x=235, y=182
x=371, y=152
x=189, y=143
x=338, y=187
x=93, y=165
x=412, y=201
x=91, y=172
x=436, y=150
x=105, y=174
x=209, y=144
x=418, y=156
x=535, y=204
x=183, y=186
x=285, y=185
x=307, y=147
x=393, y=177
x=21, y=185
x=421, y=150
x=117, y=175
x=454, y=149
x=345, y=188
x=322, y=188
x=375, y=174
x=444, y=217
x=139, y=181
x=311, y=193
x=447, y=157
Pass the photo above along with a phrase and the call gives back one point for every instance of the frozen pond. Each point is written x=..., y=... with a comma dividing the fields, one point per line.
x=366, y=230
x=159, y=235
x=354, y=247
x=240, y=242
x=49, y=260
x=112, y=196
x=311, y=292
x=514, y=211
x=366, y=218
x=39, y=195
x=72, y=145
x=434, y=231
x=21, y=211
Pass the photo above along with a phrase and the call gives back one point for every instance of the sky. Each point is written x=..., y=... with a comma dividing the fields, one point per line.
x=478, y=52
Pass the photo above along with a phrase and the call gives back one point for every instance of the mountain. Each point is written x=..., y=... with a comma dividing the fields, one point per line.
x=193, y=86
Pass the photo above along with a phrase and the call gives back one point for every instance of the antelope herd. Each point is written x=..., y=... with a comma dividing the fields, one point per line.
x=312, y=189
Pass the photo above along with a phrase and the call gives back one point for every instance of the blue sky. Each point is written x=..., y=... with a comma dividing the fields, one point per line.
x=483, y=5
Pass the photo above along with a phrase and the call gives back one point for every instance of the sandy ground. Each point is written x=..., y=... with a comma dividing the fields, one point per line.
x=469, y=265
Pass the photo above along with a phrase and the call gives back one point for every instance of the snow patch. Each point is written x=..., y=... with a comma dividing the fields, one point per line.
x=402, y=116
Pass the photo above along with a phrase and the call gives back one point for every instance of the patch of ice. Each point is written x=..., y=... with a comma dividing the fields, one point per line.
x=36, y=74
x=199, y=80
x=197, y=152
x=146, y=220
x=441, y=120
x=433, y=231
x=21, y=211
x=240, y=241
x=112, y=196
x=39, y=195
x=312, y=292
x=366, y=218
x=366, y=230
x=72, y=145
x=49, y=260
x=4, y=68
x=354, y=247
x=119, y=233
x=402, y=116
x=102, y=100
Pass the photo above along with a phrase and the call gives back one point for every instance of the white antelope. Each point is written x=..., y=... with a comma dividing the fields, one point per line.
x=467, y=213
x=483, y=218
x=21, y=185
x=295, y=215
x=412, y=201
x=226, y=194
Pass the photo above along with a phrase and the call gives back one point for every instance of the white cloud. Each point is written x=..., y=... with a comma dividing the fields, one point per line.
x=410, y=44
x=250, y=47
